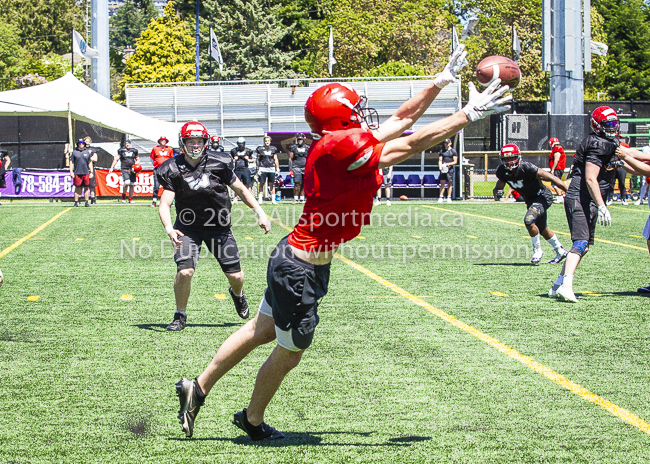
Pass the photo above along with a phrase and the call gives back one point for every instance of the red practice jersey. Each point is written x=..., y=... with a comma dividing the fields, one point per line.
x=341, y=180
x=560, y=164
x=161, y=154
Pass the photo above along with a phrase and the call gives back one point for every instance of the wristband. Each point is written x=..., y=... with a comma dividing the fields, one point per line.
x=260, y=212
x=169, y=228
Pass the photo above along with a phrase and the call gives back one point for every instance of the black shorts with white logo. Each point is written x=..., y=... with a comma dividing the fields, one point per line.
x=294, y=290
x=581, y=214
x=221, y=244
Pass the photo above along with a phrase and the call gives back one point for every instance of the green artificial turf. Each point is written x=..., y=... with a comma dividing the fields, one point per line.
x=88, y=377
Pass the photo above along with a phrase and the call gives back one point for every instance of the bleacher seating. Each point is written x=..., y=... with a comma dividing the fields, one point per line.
x=431, y=180
x=399, y=181
x=414, y=180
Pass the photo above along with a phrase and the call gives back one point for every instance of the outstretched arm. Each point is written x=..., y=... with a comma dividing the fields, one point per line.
x=250, y=201
x=548, y=177
x=414, y=108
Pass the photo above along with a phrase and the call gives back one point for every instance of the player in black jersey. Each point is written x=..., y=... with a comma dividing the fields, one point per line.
x=242, y=157
x=297, y=161
x=128, y=157
x=215, y=143
x=268, y=167
x=526, y=179
x=198, y=181
x=592, y=180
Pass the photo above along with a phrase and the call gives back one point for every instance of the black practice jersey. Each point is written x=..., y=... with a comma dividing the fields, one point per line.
x=523, y=180
x=238, y=157
x=202, y=199
x=127, y=157
x=299, y=155
x=81, y=160
x=221, y=155
x=266, y=156
x=601, y=152
x=448, y=156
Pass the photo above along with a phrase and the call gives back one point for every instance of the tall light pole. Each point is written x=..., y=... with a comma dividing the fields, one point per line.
x=198, y=3
x=101, y=67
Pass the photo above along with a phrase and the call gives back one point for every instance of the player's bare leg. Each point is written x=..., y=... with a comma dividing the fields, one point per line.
x=563, y=286
x=182, y=288
x=269, y=378
x=443, y=184
x=645, y=289
x=560, y=252
x=258, y=331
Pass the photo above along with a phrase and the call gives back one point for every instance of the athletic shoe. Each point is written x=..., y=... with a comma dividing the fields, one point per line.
x=609, y=202
x=153, y=205
x=537, y=256
x=638, y=202
x=440, y=200
x=123, y=200
x=262, y=432
x=624, y=202
x=187, y=392
x=643, y=289
x=377, y=202
x=93, y=201
x=130, y=200
x=387, y=202
x=241, y=305
x=76, y=204
x=552, y=293
x=178, y=323
x=274, y=201
x=559, y=256
x=566, y=294
x=87, y=204
x=448, y=199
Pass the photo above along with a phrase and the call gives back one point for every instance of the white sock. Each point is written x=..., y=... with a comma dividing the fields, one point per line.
x=536, y=242
x=238, y=294
x=555, y=243
x=559, y=280
x=302, y=198
x=295, y=198
x=568, y=281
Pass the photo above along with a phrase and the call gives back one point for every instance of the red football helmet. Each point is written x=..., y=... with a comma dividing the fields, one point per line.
x=553, y=141
x=335, y=107
x=214, y=140
x=510, y=156
x=604, y=122
x=193, y=129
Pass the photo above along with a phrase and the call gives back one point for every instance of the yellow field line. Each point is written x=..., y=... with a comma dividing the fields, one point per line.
x=520, y=224
x=32, y=233
x=629, y=209
x=559, y=379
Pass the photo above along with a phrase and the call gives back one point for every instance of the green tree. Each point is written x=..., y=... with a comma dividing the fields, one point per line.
x=249, y=35
x=494, y=37
x=370, y=34
x=163, y=53
x=126, y=25
x=627, y=73
x=11, y=55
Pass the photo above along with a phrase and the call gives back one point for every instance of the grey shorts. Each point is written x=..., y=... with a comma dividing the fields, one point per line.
x=128, y=177
x=221, y=244
x=298, y=174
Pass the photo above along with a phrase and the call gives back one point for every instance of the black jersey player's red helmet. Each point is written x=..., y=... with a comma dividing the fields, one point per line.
x=193, y=129
x=604, y=122
x=335, y=107
x=553, y=141
x=510, y=156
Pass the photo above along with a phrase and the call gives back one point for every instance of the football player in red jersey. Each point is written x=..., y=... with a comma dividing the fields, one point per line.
x=341, y=179
x=159, y=154
x=557, y=164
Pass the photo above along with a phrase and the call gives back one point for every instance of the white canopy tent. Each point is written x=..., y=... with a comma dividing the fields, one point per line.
x=67, y=97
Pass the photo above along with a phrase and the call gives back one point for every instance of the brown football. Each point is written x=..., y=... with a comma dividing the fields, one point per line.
x=403, y=197
x=496, y=66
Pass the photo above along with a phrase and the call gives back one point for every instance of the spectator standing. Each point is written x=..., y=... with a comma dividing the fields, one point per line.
x=93, y=177
x=447, y=160
x=387, y=174
x=128, y=157
x=159, y=154
x=5, y=161
x=268, y=167
x=297, y=161
x=80, y=169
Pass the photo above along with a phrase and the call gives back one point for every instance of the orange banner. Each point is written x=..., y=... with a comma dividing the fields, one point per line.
x=111, y=185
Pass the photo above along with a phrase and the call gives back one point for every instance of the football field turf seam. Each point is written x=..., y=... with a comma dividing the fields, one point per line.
x=32, y=233
x=522, y=225
x=559, y=379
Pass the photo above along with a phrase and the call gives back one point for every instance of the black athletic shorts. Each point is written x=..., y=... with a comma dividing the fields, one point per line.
x=298, y=173
x=264, y=176
x=129, y=177
x=3, y=182
x=221, y=244
x=581, y=214
x=244, y=175
x=541, y=204
x=93, y=180
x=447, y=176
x=294, y=289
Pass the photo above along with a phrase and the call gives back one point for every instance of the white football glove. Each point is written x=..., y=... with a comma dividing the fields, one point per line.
x=489, y=102
x=457, y=62
x=604, y=218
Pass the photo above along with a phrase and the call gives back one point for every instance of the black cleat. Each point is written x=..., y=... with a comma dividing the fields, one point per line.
x=188, y=395
x=262, y=432
x=644, y=289
x=76, y=204
x=178, y=323
x=241, y=305
x=87, y=204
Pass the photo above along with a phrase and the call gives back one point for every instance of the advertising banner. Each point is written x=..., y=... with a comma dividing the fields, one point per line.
x=112, y=185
